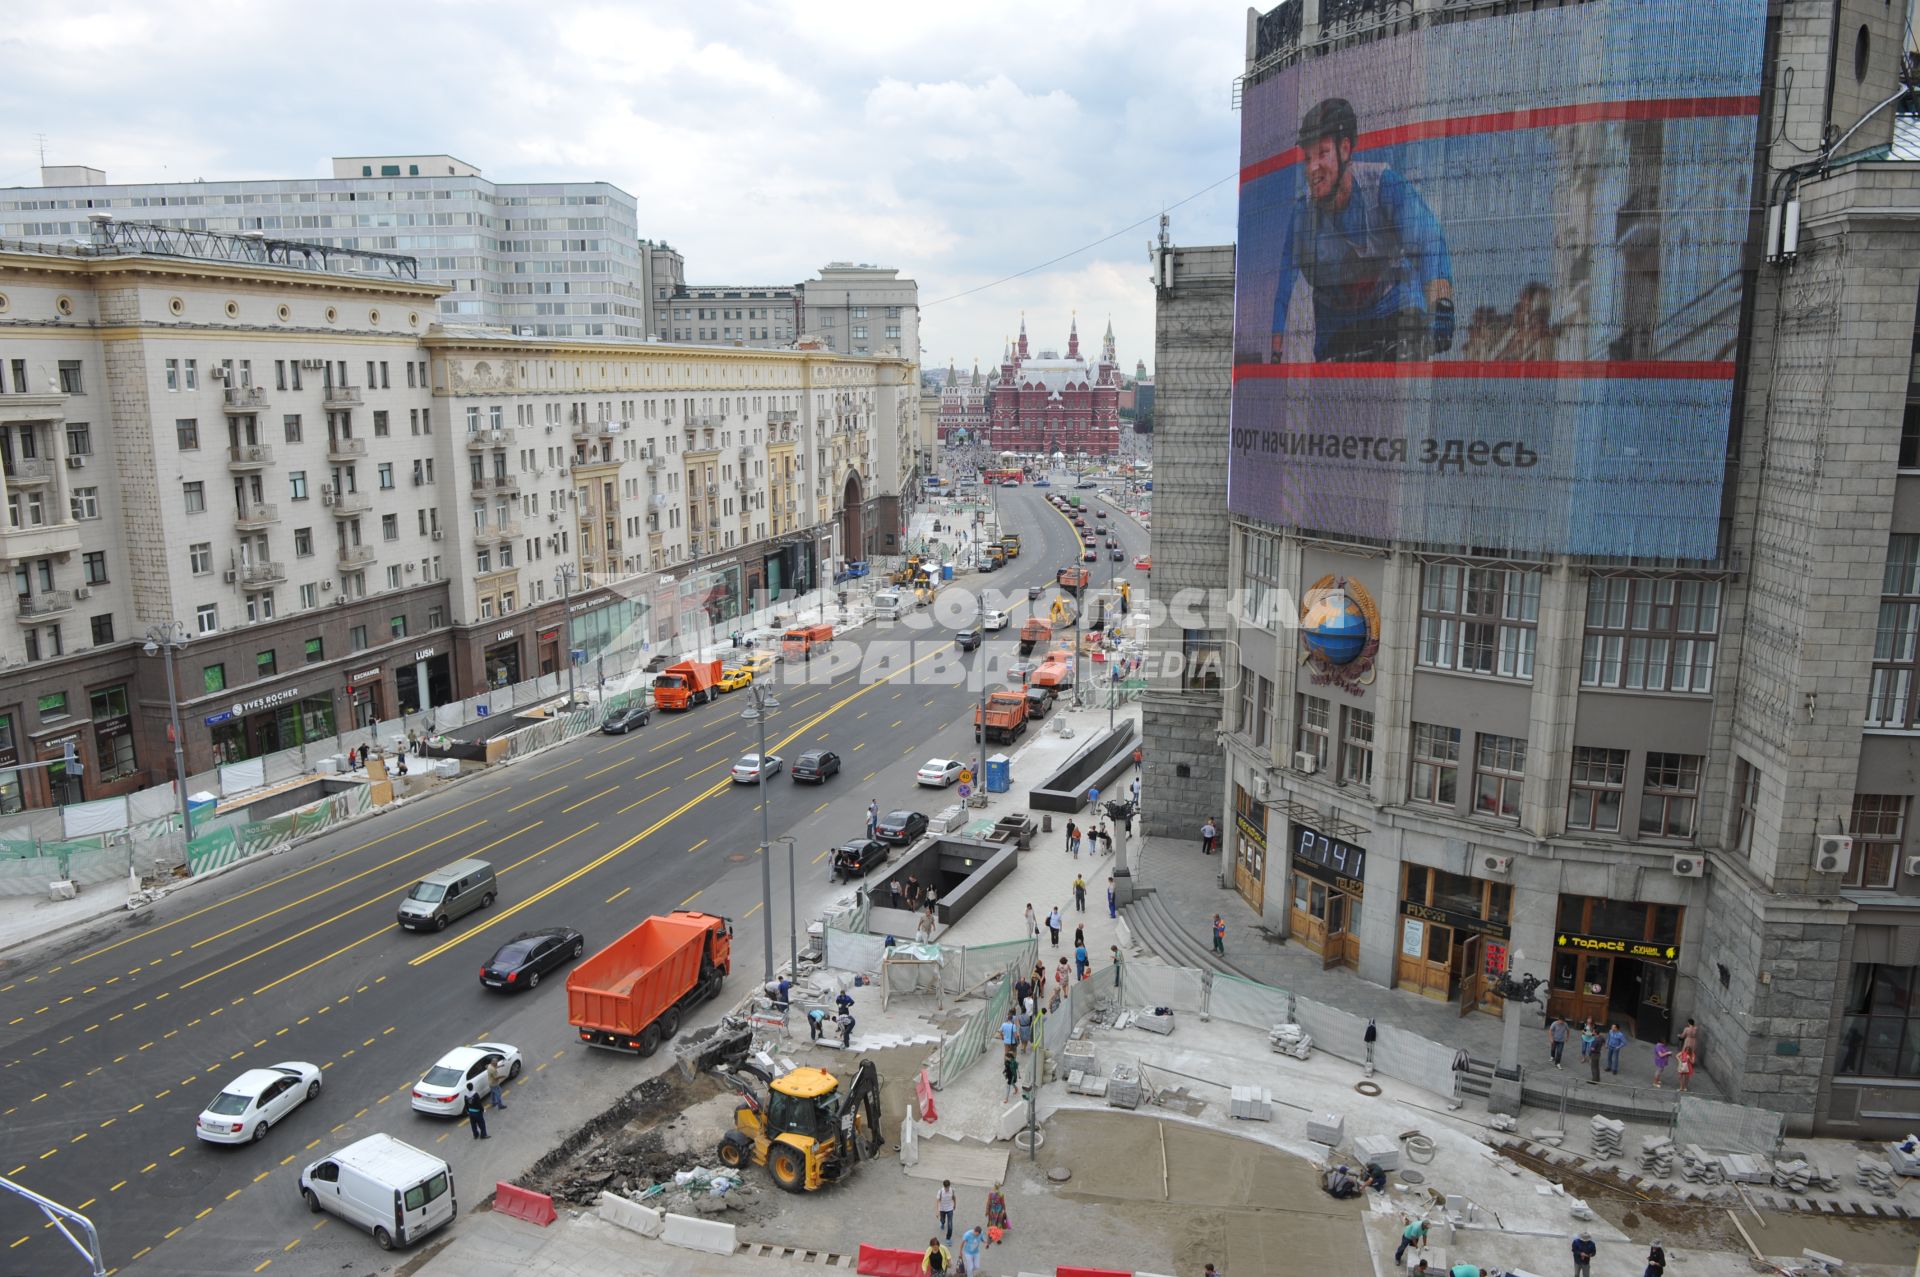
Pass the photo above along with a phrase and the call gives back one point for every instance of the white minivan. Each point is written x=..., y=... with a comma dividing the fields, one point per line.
x=384, y=1185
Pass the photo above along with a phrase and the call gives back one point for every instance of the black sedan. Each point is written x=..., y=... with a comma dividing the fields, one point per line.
x=1118, y=556
x=897, y=828
x=968, y=639
x=521, y=961
x=815, y=765
x=858, y=858
x=625, y=720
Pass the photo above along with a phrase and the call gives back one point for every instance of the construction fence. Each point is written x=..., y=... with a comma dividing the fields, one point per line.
x=220, y=847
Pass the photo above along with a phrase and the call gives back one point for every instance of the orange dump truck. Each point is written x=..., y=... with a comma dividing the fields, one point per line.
x=1073, y=580
x=686, y=684
x=1056, y=672
x=630, y=995
x=1034, y=633
x=1006, y=716
x=799, y=643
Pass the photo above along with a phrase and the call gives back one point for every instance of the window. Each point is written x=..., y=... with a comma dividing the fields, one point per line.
x=436, y=617
x=1910, y=438
x=1499, y=773
x=102, y=629
x=291, y=424
x=1315, y=732
x=1202, y=665
x=94, y=563
x=1479, y=620
x=70, y=382
x=303, y=543
x=265, y=664
x=297, y=479
x=187, y=431
x=380, y=422
x=390, y=527
x=386, y=475
x=1746, y=791
x=1877, y=823
x=1436, y=764
x=79, y=439
x=1356, y=745
x=398, y=626
x=207, y=615
x=213, y=678
x=173, y=374
x=1670, y=796
x=195, y=494
x=1256, y=707
x=200, y=557
x=86, y=503
x=190, y=374
x=1262, y=560
x=1881, y=1038
x=53, y=705
x=1599, y=785
x=1896, y=644
x=357, y=638
x=1649, y=634
x=393, y=577
x=309, y=595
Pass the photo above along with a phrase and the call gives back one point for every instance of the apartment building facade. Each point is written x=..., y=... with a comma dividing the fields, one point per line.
x=852, y=308
x=550, y=259
x=356, y=513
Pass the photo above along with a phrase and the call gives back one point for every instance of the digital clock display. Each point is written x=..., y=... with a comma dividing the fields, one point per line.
x=1336, y=857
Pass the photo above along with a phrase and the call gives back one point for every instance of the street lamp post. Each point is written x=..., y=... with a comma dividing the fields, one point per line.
x=565, y=575
x=756, y=714
x=793, y=909
x=169, y=637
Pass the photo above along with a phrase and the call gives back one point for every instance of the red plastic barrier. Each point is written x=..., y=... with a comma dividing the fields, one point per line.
x=923, y=1091
x=884, y=1261
x=1064, y=1271
x=523, y=1203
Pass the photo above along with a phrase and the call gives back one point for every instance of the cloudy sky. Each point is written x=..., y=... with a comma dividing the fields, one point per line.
x=962, y=143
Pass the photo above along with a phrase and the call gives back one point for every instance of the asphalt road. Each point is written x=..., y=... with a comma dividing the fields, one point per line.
x=113, y=1041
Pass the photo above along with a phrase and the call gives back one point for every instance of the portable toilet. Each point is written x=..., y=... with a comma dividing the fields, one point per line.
x=946, y=571
x=999, y=774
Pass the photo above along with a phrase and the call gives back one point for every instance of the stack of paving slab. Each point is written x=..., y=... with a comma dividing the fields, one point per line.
x=1081, y=1082
x=1697, y=1166
x=1875, y=1176
x=1904, y=1156
x=1327, y=1128
x=1154, y=1022
x=1078, y=1055
x=1656, y=1155
x=1800, y=1176
x=1608, y=1132
x=1377, y=1150
x=1291, y=1039
x=1252, y=1104
x=1123, y=1087
x=1744, y=1168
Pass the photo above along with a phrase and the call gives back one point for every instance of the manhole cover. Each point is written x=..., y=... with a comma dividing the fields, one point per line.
x=1413, y=1177
x=1059, y=1175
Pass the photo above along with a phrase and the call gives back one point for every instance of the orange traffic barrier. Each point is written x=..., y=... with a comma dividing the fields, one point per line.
x=923, y=1091
x=523, y=1203
x=885, y=1261
x=1064, y=1271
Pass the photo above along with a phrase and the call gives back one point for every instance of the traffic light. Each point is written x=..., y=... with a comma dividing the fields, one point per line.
x=72, y=761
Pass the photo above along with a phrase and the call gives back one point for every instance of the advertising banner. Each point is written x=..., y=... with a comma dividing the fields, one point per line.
x=1489, y=280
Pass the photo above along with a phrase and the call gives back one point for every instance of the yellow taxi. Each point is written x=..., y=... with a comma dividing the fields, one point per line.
x=757, y=663
x=732, y=680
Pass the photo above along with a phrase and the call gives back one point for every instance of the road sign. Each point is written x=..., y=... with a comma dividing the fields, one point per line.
x=966, y=790
x=966, y=777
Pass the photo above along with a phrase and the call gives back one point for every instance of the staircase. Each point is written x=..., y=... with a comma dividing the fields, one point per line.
x=1160, y=931
x=1476, y=1080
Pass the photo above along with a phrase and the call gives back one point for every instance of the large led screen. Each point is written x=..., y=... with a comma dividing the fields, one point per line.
x=1489, y=280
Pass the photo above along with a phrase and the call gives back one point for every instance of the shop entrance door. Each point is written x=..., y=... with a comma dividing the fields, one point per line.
x=1469, y=976
x=1333, y=949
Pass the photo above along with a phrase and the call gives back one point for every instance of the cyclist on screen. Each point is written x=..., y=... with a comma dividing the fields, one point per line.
x=1370, y=249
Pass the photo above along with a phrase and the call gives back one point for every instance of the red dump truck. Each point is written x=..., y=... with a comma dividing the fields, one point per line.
x=630, y=995
x=1006, y=717
x=1034, y=633
x=800, y=642
x=686, y=684
x=1072, y=580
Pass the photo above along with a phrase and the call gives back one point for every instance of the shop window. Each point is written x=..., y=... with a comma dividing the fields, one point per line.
x=1315, y=731
x=1436, y=765
x=213, y=678
x=112, y=733
x=1650, y=634
x=1499, y=775
x=265, y=664
x=1479, y=620
x=1607, y=917
x=1599, y=784
x=1877, y=824
x=316, y=651
x=1670, y=796
x=53, y=705
x=1879, y=1036
x=1356, y=745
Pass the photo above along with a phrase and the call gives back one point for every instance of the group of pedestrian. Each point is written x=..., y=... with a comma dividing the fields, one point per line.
x=479, y=1101
x=938, y=1260
x=841, y=1018
x=1584, y=1250
x=1600, y=1050
x=1210, y=836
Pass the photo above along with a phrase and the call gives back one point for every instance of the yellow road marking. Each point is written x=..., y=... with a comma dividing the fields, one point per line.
x=654, y=749
x=690, y=899
x=817, y=810
x=822, y=856
x=650, y=797
x=715, y=741
x=603, y=771
x=536, y=798
x=697, y=846
x=704, y=770
x=616, y=895
x=589, y=798
x=869, y=776
x=662, y=767
x=551, y=770
x=749, y=913
x=897, y=722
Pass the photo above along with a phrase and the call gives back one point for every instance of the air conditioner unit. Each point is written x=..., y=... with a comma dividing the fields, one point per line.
x=438, y=535
x=83, y=591
x=1306, y=762
x=412, y=566
x=1262, y=789
x=326, y=498
x=217, y=373
x=314, y=364
x=326, y=587
x=1496, y=864
x=229, y=576
x=1689, y=867
x=76, y=463
x=1832, y=853
x=1913, y=866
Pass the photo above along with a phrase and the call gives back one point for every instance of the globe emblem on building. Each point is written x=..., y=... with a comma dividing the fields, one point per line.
x=1334, y=628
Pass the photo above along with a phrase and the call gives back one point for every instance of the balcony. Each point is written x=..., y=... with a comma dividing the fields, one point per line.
x=340, y=397
x=243, y=399
x=256, y=516
x=249, y=456
x=497, y=483
x=345, y=448
x=489, y=533
x=30, y=472
x=38, y=607
x=481, y=440
x=355, y=556
x=254, y=575
x=346, y=505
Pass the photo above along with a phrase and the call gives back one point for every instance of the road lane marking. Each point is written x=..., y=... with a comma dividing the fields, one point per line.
x=869, y=776
x=697, y=846
x=697, y=775
x=715, y=741
x=649, y=798
x=823, y=735
x=536, y=798
x=603, y=771
x=749, y=913
x=862, y=714
x=822, y=856
x=616, y=895
x=896, y=723
x=690, y=899
x=654, y=749
x=551, y=770
x=589, y=798
x=817, y=810
x=662, y=767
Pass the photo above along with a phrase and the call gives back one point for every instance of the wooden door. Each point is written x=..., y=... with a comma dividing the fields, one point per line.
x=1473, y=979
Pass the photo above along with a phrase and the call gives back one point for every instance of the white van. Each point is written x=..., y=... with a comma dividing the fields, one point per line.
x=891, y=605
x=384, y=1185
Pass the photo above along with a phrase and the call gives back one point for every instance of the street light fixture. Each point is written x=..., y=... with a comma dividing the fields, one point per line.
x=564, y=577
x=170, y=637
x=756, y=713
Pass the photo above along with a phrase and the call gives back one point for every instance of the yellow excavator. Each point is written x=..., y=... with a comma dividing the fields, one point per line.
x=808, y=1131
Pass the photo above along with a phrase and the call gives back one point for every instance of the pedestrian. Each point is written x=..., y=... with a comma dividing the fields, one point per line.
x=1557, y=1039
x=1662, y=1056
x=1010, y=1070
x=1069, y=837
x=477, y=1114
x=1591, y=1042
x=996, y=1215
x=844, y=1002
x=1023, y=1020
x=1079, y=893
x=1114, y=951
x=1113, y=905
x=1368, y=1037
x=845, y=1021
x=1208, y=832
x=816, y=1020
x=1079, y=935
x=1656, y=1260
x=1059, y=981
x=944, y=1202
x=1616, y=1042
x=1074, y=835
x=1685, y=1067
x=401, y=763
x=935, y=1261
x=1136, y=791
x=1054, y=923
x=1583, y=1252
x=1023, y=990
x=1080, y=963
x=970, y=1244
x=1033, y=924
x=493, y=1085
x=783, y=993
x=1690, y=1040
x=913, y=891
x=1219, y=936
x=1009, y=1032
x=873, y=815
x=1413, y=1235
x=923, y=929
x=1211, y=1271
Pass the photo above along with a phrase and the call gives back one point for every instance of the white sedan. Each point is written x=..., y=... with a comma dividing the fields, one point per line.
x=939, y=772
x=751, y=768
x=995, y=620
x=461, y=1072
x=256, y=1100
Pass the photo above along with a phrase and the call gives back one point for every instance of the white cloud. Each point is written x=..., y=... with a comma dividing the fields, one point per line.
x=959, y=143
